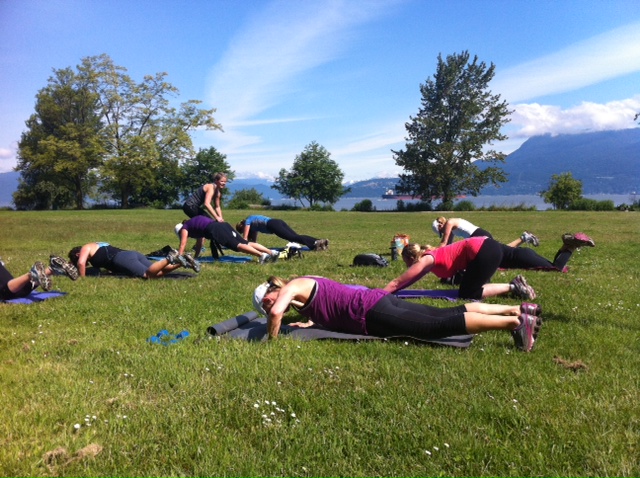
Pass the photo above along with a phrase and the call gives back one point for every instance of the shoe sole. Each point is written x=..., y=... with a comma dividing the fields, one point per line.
x=69, y=269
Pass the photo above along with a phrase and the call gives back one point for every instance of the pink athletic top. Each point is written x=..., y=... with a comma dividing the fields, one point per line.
x=455, y=257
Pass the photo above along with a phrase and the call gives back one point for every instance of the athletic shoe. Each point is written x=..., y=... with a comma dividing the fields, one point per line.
x=175, y=258
x=529, y=238
x=577, y=240
x=521, y=289
x=275, y=255
x=39, y=276
x=531, y=309
x=321, y=245
x=193, y=264
x=264, y=258
x=61, y=267
x=524, y=334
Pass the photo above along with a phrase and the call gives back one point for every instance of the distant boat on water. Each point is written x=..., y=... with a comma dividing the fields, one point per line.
x=390, y=194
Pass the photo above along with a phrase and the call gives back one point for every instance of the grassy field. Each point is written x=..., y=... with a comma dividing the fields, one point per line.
x=197, y=408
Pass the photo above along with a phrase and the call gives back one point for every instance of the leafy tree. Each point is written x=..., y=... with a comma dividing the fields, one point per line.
x=457, y=118
x=563, y=190
x=142, y=129
x=62, y=147
x=314, y=177
x=200, y=169
x=244, y=198
x=364, y=206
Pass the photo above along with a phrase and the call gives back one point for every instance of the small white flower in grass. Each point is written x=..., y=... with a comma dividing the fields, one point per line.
x=273, y=403
x=293, y=415
x=273, y=414
x=94, y=417
x=406, y=343
x=514, y=400
x=428, y=452
x=267, y=402
x=77, y=426
x=264, y=416
x=124, y=417
x=278, y=383
x=206, y=369
x=91, y=382
x=447, y=445
x=255, y=405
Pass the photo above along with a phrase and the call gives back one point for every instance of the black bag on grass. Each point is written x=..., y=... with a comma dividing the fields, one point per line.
x=370, y=260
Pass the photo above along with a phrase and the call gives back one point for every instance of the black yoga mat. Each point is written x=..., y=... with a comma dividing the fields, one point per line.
x=251, y=326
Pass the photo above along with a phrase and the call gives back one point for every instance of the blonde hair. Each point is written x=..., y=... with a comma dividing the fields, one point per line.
x=412, y=252
x=276, y=282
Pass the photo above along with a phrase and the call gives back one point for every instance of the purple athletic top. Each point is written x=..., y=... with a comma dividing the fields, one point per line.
x=340, y=307
x=196, y=226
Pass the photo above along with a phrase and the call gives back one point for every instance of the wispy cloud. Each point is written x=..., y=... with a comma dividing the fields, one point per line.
x=272, y=53
x=592, y=61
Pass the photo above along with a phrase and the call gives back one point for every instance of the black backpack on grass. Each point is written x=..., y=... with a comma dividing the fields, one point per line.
x=370, y=260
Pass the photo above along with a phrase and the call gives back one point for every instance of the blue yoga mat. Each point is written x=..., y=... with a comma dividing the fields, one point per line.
x=36, y=297
x=210, y=259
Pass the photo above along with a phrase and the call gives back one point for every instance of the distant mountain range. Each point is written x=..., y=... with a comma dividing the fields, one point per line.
x=606, y=162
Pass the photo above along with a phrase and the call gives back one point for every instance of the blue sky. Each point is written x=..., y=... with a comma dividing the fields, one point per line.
x=344, y=73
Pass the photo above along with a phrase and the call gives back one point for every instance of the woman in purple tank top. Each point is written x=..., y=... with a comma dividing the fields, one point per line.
x=360, y=310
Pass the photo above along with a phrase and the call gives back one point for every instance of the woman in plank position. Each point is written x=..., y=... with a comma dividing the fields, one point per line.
x=132, y=263
x=252, y=225
x=222, y=233
x=360, y=310
x=447, y=229
x=480, y=258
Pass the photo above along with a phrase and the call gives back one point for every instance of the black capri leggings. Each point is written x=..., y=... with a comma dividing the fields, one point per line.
x=392, y=317
x=284, y=231
x=481, y=269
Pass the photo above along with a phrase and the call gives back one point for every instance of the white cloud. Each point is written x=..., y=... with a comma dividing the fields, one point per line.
x=535, y=119
x=610, y=55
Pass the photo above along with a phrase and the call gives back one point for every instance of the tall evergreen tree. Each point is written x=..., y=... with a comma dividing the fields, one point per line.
x=458, y=118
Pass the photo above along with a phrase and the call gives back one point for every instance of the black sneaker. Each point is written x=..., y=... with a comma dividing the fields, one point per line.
x=61, y=267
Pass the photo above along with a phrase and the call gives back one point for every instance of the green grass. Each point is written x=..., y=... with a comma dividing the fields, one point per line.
x=360, y=408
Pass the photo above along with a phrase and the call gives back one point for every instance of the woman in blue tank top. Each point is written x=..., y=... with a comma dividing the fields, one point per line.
x=360, y=310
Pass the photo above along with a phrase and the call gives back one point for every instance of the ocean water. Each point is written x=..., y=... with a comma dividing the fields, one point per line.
x=481, y=201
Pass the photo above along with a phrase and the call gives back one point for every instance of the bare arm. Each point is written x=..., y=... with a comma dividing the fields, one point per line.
x=83, y=257
x=184, y=237
x=447, y=231
x=245, y=232
x=292, y=293
x=412, y=274
x=210, y=191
